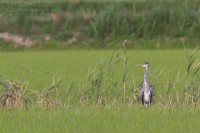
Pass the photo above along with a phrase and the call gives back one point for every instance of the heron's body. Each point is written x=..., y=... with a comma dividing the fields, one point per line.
x=146, y=93
x=146, y=89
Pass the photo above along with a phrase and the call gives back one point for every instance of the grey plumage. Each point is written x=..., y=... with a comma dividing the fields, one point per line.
x=146, y=90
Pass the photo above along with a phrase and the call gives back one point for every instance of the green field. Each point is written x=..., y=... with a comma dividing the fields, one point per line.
x=38, y=69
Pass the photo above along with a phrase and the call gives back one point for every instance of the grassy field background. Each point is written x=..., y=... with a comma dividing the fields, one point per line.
x=39, y=68
x=86, y=24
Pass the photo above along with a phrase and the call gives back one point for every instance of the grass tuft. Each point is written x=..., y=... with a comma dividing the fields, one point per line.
x=13, y=95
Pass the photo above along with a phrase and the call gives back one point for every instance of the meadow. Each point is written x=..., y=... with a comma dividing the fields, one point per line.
x=82, y=105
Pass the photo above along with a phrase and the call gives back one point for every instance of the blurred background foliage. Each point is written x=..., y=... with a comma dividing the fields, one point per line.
x=105, y=24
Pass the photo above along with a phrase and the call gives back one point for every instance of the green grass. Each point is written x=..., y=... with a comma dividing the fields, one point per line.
x=39, y=68
x=89, y=120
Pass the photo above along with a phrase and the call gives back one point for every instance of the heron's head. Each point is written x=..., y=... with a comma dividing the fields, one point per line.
x=145, y=64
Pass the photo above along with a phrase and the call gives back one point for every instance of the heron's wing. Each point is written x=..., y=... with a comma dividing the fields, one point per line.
x=141, y=89
x=151, y=88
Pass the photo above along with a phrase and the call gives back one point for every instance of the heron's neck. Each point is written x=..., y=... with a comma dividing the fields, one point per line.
x=146, y=74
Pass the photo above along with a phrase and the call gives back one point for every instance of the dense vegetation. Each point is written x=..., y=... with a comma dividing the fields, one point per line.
x=148, y=24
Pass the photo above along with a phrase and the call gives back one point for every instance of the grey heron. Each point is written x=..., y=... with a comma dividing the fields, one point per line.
x=146, y=90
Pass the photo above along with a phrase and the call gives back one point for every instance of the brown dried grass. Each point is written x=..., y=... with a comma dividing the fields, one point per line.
x=13, y=96
x=49, y=97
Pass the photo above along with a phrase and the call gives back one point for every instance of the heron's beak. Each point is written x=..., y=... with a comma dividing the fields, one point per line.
x=140, y=65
